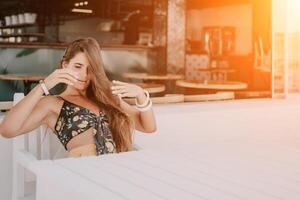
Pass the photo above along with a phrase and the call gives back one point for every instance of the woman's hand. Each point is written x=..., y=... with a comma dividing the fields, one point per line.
x=32, y=111
x=64, y=75
x=123, y=89
x=144, y=120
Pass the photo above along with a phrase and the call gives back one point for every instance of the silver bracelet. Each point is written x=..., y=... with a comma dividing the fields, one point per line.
x=146, y=108
x=46, y=91
x=146, y=101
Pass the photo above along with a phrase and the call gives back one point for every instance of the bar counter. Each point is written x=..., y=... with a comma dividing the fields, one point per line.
x=39, y=45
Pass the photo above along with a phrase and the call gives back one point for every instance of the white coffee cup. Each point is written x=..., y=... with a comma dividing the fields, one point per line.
x=11, y=39
x=7, y=20
x=32, y=39
x=30, y=18
x=14, y=19
x=21, y=18
x=27, y=17
x=19, y=39
x=33, y=17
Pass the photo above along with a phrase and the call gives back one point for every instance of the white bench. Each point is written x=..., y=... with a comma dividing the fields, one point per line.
x=24, y=149
x=28, y=148
x=5, y=105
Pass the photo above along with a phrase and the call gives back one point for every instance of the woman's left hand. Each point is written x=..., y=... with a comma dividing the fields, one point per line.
x=123, y=89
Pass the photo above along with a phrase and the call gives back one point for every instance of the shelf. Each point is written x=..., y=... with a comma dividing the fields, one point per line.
x=106, y=47
x=18, y=25
x=33, y=45
x=23, y=35
x=111, y=31
x=217, y=70
x=141, y=30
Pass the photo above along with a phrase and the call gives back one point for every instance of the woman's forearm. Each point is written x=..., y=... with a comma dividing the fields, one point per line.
x=15, y=118
x=147, y=118
x=30, y=112
x=148, y=121
x=144, y=118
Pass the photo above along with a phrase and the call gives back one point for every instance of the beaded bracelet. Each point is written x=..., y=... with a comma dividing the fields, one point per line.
x=146, y=108
x=146, y=105
x=46, y=91
x=146, y=101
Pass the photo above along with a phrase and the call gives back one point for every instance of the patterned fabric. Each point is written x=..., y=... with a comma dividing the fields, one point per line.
x=74, y=120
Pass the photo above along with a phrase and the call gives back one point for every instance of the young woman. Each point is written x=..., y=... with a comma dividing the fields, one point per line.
x=89, y=117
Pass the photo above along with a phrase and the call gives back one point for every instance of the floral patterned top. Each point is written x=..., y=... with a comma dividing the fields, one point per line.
x=74, y=120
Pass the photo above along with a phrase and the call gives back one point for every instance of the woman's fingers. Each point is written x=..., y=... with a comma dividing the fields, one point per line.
x=69, y=77
x=119, y=91
x=119, y=87
x=125, y=95
x=66, y=81
x=65, y=75
x=125, y=89
x=119, y=82
x=68, y=71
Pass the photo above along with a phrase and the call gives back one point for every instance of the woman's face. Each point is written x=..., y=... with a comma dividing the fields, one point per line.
x=80, y=64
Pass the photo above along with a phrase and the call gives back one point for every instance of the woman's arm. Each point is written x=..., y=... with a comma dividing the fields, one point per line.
x=29, y=109
x=32, y=110
x=144, y=121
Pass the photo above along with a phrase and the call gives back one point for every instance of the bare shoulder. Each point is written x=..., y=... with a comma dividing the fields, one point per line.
x=49, y=101
x=49, y=104
x=53, y=104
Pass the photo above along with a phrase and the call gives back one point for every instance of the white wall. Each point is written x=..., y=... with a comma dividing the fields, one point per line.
x=279, y=15
x=239, y=16
x=284, y=11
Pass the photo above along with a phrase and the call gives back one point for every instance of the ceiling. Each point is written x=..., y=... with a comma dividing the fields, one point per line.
x=201, y=4
x=101, y=8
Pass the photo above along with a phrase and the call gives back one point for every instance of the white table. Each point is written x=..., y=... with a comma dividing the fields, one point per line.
x=221, y=170
x=248, y=149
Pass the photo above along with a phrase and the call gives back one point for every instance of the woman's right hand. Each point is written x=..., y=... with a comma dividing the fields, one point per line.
x=64, y=75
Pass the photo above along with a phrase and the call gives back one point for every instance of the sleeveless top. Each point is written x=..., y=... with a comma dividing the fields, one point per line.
x=74, y=120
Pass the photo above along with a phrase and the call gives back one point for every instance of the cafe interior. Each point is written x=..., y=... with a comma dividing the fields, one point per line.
x=186, y=52
x=220, y=72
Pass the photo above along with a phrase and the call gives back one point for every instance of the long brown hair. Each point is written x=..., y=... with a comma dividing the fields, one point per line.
x=99, y=92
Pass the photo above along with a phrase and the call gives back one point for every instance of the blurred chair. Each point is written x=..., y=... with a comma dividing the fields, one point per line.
x=5, y=105
x=28, y=148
